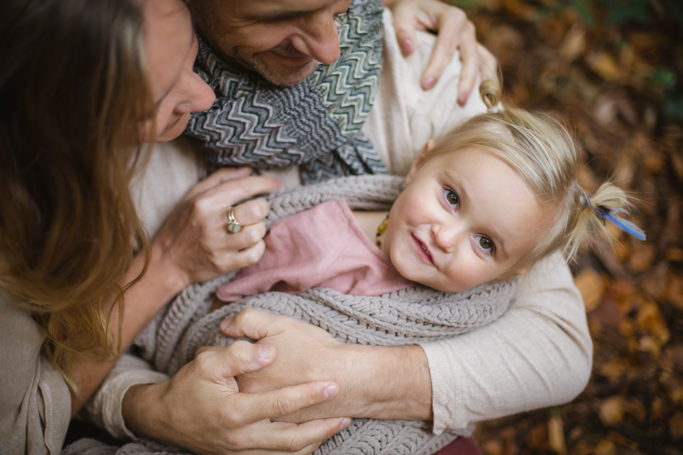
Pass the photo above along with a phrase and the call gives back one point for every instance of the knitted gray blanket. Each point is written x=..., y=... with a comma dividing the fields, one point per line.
x=410, y=316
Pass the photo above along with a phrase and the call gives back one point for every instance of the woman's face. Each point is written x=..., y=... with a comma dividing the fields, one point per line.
x=170, y=47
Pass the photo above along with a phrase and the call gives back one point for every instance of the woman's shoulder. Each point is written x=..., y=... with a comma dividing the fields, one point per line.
x=35, y=402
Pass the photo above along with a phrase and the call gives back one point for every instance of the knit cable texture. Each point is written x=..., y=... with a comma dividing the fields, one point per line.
x=409, y=316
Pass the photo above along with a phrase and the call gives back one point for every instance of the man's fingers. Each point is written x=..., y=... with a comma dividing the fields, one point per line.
x=254, y=324
x=446, y=43
x=404, y=25
x=248, y=408
x=218, y=363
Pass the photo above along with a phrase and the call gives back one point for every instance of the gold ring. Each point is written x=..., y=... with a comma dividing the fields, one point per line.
x=233, y=225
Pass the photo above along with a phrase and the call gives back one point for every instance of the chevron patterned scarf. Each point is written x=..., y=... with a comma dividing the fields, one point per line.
x=315, y=124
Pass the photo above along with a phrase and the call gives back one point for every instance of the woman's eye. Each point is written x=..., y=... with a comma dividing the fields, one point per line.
x=485, y=243
x=452, y=198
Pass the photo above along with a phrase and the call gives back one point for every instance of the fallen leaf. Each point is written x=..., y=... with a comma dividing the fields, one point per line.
x=492, y=447
x=641, y=257
x=605, y=65
x=611, y=411
x=650, y=320
x=605, y=447
x=676, y=426
x=574, y=43
x=537, y=438
x=674, y=254
x=556, y=435
x=591, y=287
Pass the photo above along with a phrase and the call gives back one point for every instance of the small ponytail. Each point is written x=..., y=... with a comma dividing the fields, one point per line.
x=592, y=212
x=490, y=88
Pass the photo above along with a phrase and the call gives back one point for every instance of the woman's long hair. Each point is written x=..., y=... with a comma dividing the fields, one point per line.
x=73, y=93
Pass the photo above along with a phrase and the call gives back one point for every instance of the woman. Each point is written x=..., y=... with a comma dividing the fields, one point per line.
x=80, y=84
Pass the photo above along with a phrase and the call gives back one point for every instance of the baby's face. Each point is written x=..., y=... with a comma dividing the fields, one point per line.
x=465, y=218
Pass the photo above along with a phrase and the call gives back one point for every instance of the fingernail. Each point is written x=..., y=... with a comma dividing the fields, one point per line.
x=462, y=99
x=345, y=423
x=266, y=351
x=225, y=324
x=428, y=83
x=278, y=183
x=407, y=46
x=331, y=391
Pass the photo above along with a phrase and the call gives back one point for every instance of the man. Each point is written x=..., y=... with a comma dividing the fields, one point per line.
x=297, y=83
x=308, y=74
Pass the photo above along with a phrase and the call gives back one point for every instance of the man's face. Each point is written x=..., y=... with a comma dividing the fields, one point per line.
x=282, y=40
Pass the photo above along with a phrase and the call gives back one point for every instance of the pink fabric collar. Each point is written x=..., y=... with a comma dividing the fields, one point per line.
x=321, y=247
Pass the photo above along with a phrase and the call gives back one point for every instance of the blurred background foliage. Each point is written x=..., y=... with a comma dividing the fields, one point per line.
x=612, y=71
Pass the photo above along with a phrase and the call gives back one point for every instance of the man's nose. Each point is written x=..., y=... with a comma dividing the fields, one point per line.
x=320, y=38
x=447, y=236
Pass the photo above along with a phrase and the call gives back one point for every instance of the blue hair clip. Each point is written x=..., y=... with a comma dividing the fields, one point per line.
x=621, y=223
x=611, y=215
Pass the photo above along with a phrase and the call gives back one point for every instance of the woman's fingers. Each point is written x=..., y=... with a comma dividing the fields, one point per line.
x=222, y=175
x=249, y=212
x=233, y=191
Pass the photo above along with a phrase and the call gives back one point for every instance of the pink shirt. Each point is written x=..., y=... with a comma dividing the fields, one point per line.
x=321, y=247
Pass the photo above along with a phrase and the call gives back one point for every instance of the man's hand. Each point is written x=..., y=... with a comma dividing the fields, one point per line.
x=201, y=409
x=374, y=381
x=454, y=30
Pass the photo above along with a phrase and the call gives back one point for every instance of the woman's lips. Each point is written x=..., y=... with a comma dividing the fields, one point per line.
x=422, y=250
x=171, y=125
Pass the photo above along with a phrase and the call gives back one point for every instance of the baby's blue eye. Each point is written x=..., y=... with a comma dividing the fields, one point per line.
x=452, y=198
x=485, y=243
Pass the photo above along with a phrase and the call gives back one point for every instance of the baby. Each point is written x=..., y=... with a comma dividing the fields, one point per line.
x=483, y=203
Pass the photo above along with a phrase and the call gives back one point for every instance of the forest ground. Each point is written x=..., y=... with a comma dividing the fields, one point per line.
x=612, y=70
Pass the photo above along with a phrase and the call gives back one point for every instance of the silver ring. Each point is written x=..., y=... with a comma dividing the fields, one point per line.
x=233, y=225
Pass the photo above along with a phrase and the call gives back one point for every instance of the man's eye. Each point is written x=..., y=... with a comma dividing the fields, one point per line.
x=452, y=198
x=485, y=243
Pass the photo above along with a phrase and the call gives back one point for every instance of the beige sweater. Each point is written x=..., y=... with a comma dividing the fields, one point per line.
x=537, y=354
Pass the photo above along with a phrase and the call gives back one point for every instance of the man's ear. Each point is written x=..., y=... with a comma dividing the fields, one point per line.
x=419, y=159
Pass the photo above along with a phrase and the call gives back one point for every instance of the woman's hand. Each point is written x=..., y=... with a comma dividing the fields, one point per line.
x=454, y=30
x=202, y=410
x=194, y=242
x=374, y=381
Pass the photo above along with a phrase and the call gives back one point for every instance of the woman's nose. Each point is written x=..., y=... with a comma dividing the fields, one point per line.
x=198, y=96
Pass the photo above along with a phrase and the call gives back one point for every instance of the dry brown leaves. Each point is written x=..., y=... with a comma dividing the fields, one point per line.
x=633, y=291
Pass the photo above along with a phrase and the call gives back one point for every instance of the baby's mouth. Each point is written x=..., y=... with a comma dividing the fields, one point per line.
x=423, y=250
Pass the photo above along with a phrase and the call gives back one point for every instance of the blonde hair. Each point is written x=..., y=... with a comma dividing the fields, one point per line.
x=74, y=91
x=545, y=156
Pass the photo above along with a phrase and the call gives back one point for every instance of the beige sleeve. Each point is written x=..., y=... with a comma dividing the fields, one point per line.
x=35, y=402
x=105, y=407
x=404, y=117
x=538, y=354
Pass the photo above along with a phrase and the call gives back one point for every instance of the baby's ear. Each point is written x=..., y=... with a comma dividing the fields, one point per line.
x=419, y=159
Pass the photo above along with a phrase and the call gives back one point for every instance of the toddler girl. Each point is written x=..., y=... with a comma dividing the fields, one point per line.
x=484, y=203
